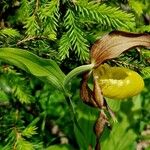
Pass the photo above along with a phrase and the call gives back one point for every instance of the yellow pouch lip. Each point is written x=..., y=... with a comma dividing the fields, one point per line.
x=118, y=82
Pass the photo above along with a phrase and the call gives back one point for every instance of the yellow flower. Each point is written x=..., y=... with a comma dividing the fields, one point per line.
x=112, y=82
x=118, y=82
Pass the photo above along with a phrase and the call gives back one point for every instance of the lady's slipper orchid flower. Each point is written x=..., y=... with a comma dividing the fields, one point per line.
x=112, y=82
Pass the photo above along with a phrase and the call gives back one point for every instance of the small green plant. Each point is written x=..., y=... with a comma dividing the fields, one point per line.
x=57, y=83
x=48, y=71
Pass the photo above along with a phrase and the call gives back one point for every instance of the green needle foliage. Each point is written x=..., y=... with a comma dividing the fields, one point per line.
x=41, y=41
x=105, y=15
x=75, y=37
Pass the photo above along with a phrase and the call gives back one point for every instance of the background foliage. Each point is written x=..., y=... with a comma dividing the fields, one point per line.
x=34, y=115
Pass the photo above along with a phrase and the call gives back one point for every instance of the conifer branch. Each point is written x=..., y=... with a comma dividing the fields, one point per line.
x=49, y=15
x=36, y=6
x=78, y=41
x=105, y=15
x=31, y=38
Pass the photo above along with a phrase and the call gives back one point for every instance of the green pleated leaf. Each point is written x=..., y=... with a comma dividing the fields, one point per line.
x=86, y=119
x=44, y=69
x=120, y=138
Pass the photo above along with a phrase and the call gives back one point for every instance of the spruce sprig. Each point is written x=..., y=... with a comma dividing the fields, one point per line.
x=31, y=26
x=105, y=15
x=76, y=37
x=49, y=16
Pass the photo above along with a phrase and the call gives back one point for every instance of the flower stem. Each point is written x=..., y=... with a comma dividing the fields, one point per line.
x=75, y=72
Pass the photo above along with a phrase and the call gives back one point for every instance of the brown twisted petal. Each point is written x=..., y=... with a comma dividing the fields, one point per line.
x=92, y=98
x=99, y=126
x=86, y=93
x=116, y=42
x=98, y=97
x=101, y=121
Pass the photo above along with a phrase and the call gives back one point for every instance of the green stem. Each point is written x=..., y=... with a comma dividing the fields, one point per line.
x=73, y=117
x=68, y=96
x=75, y=72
